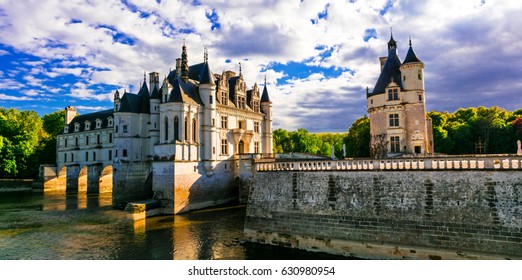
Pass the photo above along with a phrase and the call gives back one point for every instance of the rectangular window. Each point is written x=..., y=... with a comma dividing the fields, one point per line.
x=94, y=156
x=110, y=137
x=98, y=140
x=110, y=154
x=124, y=153
x=64, y=157
x=241, y=125
x=420, y=97
x=116, y=129
x=124, y=128
x=224, y=122
x=256, y=147
x=116, y=153
x=86, y=140
x=394, y=120
x=224, y=98
x=86, y=156
x=224, y=147
x=65, y=142
x=76, y=141
x=395, y=144
x=256, y=127
x=72, y=157
x=393, y=94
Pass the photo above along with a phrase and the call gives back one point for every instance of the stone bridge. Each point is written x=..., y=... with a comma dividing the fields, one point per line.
x=78, y=178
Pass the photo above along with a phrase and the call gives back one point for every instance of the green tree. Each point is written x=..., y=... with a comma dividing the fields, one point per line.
x=358, y=138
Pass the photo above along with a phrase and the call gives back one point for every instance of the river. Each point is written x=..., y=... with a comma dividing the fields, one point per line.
x=36, y=226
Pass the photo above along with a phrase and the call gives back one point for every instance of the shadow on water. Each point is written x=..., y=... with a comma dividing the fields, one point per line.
x=62, y=227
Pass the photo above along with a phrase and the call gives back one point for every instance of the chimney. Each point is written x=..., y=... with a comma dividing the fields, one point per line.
x=153, y=81
x=178, y=67
x=70, y=113
x=383, y=61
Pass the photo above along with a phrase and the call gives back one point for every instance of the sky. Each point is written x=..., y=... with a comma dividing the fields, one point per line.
x=318, y=56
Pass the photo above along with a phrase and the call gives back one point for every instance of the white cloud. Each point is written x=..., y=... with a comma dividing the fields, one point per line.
x=469, y=48
x=5, y=97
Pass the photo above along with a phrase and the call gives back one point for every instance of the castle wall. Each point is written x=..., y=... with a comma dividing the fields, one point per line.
x=185, y=186
x=437, y=211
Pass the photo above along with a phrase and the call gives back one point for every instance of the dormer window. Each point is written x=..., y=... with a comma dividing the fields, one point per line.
x=98, y=123
x=66, y=129
x=87, y=125
x=76, y=127
x=393, y=94
x=109, y=121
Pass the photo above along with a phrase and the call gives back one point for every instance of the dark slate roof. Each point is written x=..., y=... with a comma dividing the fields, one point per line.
x=206, y=76
x=155, y=93
x=411, y=57
x=264, y=96
x=184, y=92
x=136, y=103
x=232, y=88
x=195, y=71
x=102, y=115
x=389, y=71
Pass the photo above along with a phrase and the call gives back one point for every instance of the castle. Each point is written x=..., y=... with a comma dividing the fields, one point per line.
x=397, y=107
x=178, y=141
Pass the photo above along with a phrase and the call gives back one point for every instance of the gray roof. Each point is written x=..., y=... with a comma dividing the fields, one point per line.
x=184, y=92
x=264, y=96
x=91, y=117
x=136, y=103
x=206, y=76
x=411, y=57
x=389, y=71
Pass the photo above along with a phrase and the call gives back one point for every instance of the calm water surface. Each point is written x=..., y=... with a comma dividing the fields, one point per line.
x=71, y=227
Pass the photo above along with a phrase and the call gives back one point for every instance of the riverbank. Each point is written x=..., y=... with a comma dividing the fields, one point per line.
x=16, y=185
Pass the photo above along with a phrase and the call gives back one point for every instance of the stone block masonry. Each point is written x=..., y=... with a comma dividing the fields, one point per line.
x=419, y=214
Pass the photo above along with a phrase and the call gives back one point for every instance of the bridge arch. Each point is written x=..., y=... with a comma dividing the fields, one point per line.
x=61, y=182
x=83, y=179
x=105, y=180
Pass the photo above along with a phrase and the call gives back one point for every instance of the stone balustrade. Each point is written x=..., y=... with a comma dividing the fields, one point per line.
x=436, y=163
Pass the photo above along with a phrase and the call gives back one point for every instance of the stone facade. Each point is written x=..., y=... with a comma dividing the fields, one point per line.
x=175, y=140
x=397, y=107
x=390, y=211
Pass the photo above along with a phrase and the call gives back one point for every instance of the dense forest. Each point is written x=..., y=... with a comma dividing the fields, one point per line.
x=28, y=140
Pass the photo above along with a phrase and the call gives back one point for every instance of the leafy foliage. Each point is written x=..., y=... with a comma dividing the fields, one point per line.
x=26, y=141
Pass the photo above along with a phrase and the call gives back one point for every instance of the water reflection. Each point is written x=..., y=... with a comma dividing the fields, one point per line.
x=58, y=226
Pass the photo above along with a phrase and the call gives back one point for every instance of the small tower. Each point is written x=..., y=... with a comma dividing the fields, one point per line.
x=266, y=107
x=207, y=90
x=412, y=70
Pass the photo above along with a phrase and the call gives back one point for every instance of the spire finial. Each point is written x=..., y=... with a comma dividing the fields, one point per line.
x=391, y=31
x=240, y=68
x=144, y=76
x=410, y=40
x=205, y=55
x=265, y=80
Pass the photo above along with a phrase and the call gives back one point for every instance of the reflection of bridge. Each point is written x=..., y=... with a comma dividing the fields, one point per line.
x=76, y=178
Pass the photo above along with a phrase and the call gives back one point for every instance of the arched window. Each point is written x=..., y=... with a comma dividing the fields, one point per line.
x=166, y=128
x=241, y=147
x=186, y=129
x=176, y=128
x=194, y=130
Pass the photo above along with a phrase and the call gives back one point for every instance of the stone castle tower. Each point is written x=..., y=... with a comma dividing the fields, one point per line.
x=397, y=107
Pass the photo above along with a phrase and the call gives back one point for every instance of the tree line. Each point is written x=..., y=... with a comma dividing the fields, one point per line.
x=465, y=131
x=28, y=140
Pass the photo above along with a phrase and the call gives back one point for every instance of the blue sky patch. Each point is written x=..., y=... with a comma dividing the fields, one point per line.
x=299, y=70
x=214, y=19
